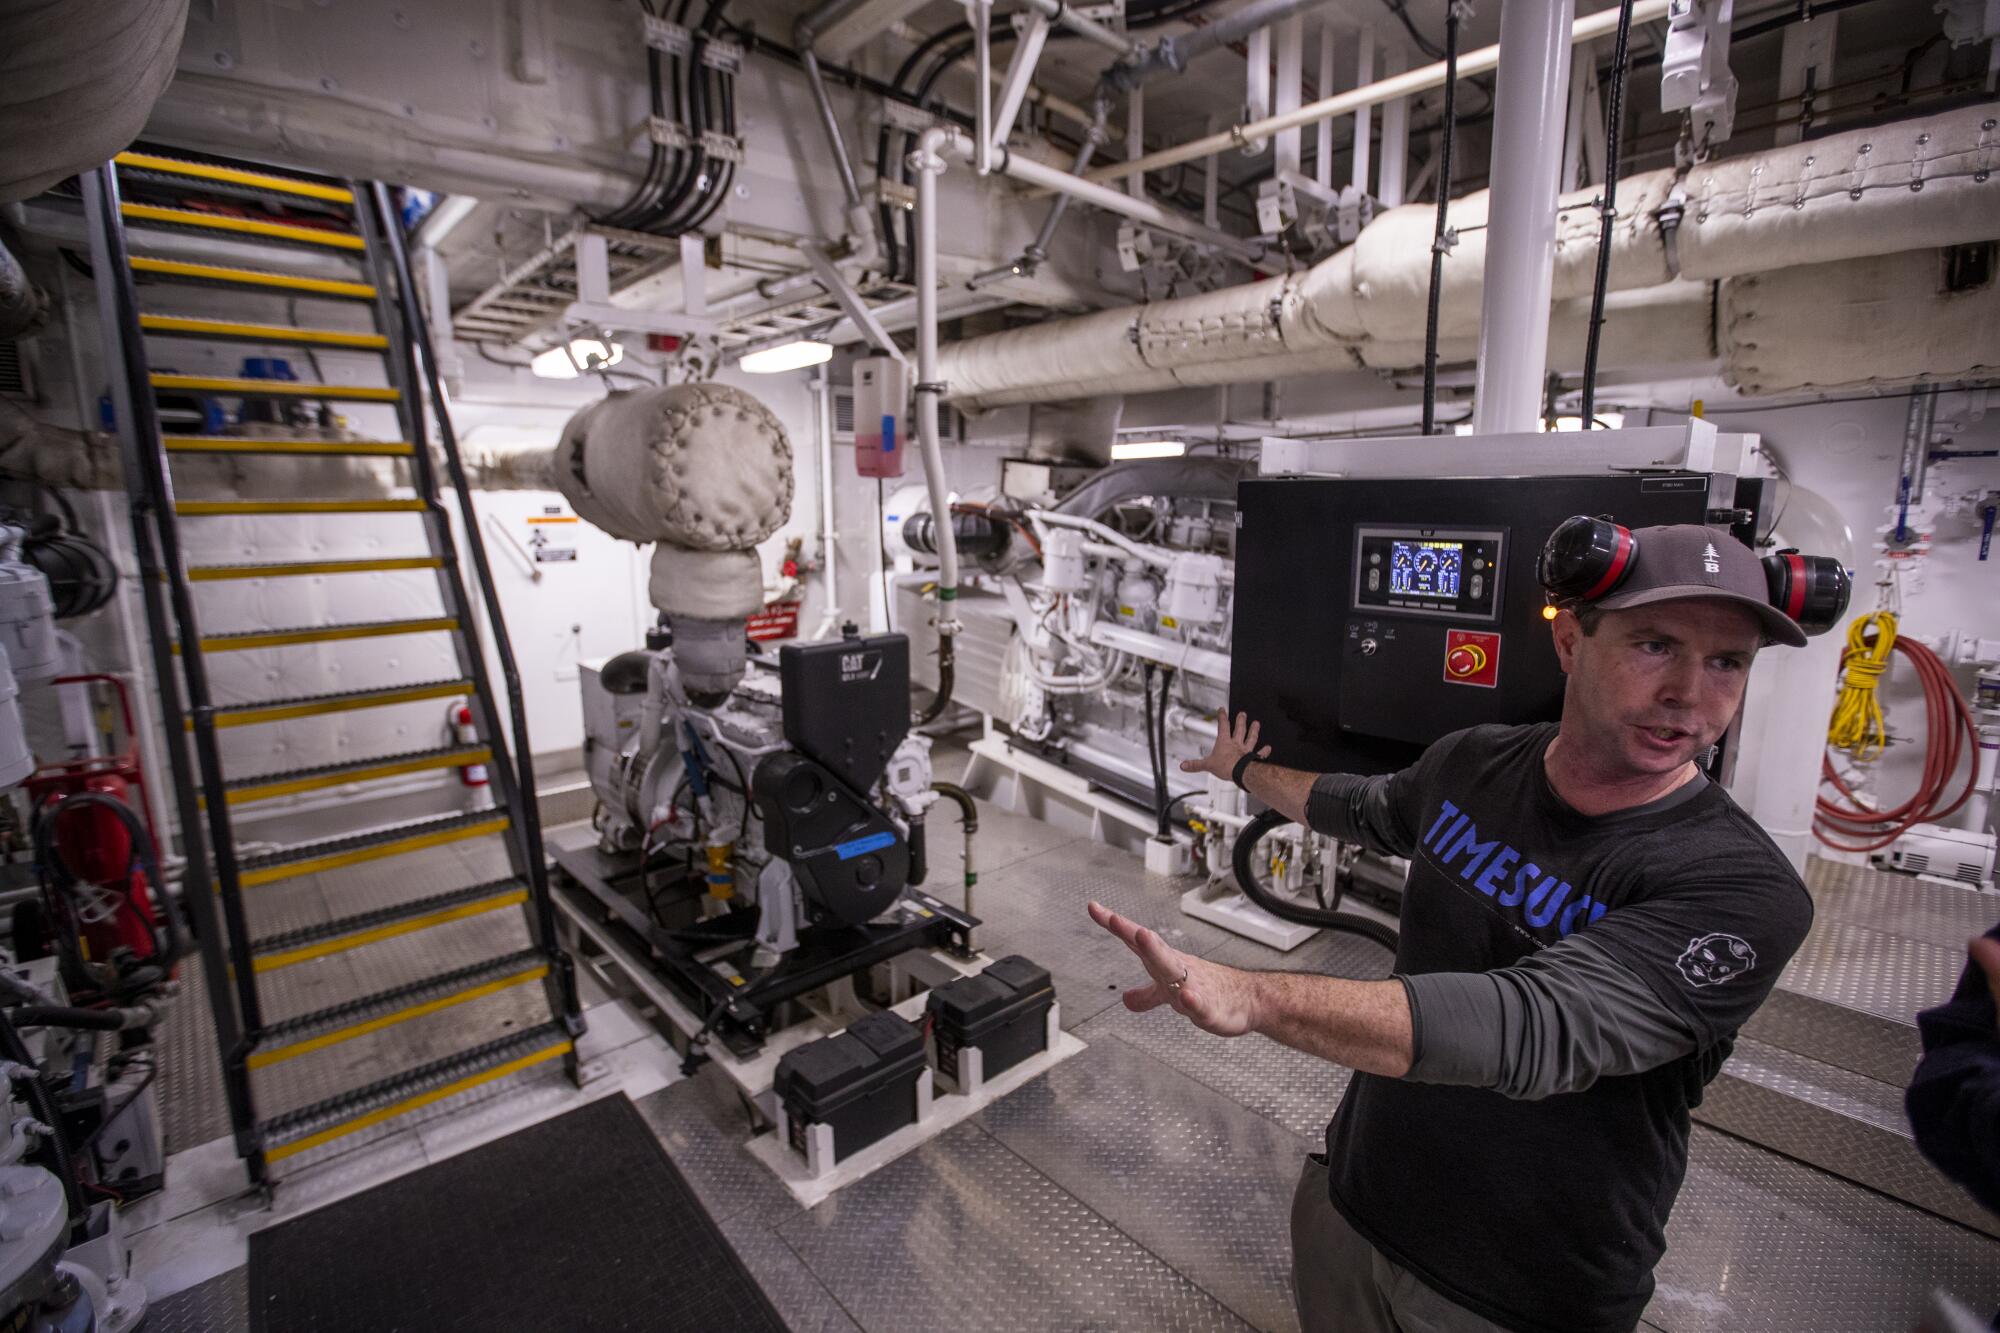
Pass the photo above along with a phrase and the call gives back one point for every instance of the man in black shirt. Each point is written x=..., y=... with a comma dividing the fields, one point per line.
x=1586, y=924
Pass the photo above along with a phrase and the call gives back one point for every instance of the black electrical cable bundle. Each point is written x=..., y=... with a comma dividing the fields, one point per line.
x=1246, y=880
x=683, y=187
x=1613, y=111
x=1156, y=743
x=1444, y=202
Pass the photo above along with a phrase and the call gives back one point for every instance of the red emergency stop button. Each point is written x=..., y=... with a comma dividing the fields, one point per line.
x=1472, y=658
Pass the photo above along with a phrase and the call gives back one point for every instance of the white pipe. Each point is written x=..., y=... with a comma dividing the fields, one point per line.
x=1395, y=143
x=1521, y=228
x=1383, y=90
x=1289, y=90
x=1323, y=132
x=929, y=163
x=829, y=539
x=1364, y=74
x=1031, y=172
x=1203, y=662
x=1043, y=520
x=1020, y=73
x=982, y=83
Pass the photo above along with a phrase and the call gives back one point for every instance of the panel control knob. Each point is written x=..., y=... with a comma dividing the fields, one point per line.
x=1368, y=647
x=1468, y=659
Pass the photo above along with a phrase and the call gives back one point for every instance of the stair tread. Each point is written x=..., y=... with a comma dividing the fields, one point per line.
x=196, y=326
x=252, y=277
x=384, y=916
x=340, y=695
x=422, y=1084
x=245, y=227
x=443, y=753
x=347, y=1012
x=306, y=851
x=294, y=568
x=248, y=444
x=354, y=629
x=253, y=388
x=275, y=182
x=1823, y=1086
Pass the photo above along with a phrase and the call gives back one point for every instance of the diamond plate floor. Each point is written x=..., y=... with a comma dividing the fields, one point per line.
x=1146, y=1183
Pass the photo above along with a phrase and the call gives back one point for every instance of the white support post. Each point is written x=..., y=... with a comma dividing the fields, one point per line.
x=1135, y=138
x=1364, y=74
x=1323, y=130
x=1020, y=72
x=1287, y=93
x=1256, y=84
x=694, y=273
x=1533, y=74
x=593, y=269
x=1211, y=187
x=1395, y=166
x=1595, y=147
x=1579, y=77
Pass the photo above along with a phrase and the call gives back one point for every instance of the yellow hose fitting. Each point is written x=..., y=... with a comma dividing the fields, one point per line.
x=721, y=877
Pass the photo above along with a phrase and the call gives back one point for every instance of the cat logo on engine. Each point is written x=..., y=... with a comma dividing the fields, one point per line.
x=859, y=666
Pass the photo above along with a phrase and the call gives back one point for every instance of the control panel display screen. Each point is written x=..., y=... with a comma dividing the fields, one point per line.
x=1441, y=572
x=1426, y=569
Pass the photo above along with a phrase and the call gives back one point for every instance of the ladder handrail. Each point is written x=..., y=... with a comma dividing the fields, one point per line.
x=418, y=346
x=224, y=939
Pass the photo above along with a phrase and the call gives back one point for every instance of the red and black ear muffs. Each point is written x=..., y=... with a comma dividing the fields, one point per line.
x=1586, y=558
x=1811, y=589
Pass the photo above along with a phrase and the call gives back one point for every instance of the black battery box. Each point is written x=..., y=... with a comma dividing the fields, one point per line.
x=1003, y=1011
x=862, y=1082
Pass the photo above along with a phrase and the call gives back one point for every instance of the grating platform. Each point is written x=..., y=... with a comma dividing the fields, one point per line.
x=1820, y=1073
x=1133, y=1187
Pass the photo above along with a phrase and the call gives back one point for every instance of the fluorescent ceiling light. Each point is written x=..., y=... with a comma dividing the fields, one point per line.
x=561, y=363
x=786, y=356
x=1125, y=449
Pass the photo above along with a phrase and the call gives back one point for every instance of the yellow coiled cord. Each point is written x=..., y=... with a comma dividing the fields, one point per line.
x=1857, y=714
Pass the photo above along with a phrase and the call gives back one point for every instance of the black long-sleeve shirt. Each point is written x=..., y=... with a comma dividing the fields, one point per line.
x=1954, y=1100
x=1531, y=1178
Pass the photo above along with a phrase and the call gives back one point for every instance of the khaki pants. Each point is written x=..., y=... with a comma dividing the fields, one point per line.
x=1345, y=1285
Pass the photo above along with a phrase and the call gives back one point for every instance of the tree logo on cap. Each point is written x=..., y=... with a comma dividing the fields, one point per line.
x=1711, y=560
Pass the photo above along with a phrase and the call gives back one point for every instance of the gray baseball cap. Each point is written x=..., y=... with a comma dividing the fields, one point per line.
x=1681, y=560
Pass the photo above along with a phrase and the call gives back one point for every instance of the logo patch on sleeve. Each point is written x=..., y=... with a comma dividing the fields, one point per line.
x=1713, y=959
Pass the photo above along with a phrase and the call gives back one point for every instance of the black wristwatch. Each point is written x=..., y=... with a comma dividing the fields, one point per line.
x=1243, y=766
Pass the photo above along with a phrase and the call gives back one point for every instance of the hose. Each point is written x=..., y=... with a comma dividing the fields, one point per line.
x=920, y=863
x=968, y=817
x=1439, y=242
x=1246, y=880
x=1950, y=734
x=1613, y=114
x=63, y=1016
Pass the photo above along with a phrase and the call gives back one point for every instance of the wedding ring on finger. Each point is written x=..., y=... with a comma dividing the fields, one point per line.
x=1175, y=986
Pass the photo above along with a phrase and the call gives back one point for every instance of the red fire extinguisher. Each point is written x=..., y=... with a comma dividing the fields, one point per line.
x=462, y=730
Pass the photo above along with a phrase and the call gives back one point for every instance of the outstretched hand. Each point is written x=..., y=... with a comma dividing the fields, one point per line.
x=1232, y=742
x=1214, y=998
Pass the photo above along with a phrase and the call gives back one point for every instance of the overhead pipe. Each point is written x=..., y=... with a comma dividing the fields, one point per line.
x=1588, y=28
x=1028, y=171
x=1173, y=54
x=1037, y=251
x=929, y=164
x=1528, y=114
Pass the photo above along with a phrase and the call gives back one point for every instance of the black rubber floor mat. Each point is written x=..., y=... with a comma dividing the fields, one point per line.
x=580, y=1222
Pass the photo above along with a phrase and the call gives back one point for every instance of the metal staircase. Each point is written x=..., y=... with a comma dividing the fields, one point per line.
x=327, y=987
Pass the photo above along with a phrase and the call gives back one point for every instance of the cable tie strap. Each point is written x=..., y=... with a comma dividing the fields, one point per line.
x=932, y=386
x=1445, y=243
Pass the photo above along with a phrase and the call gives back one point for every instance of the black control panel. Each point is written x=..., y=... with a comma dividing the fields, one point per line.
x=1339, y=676
x=1418, y=570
